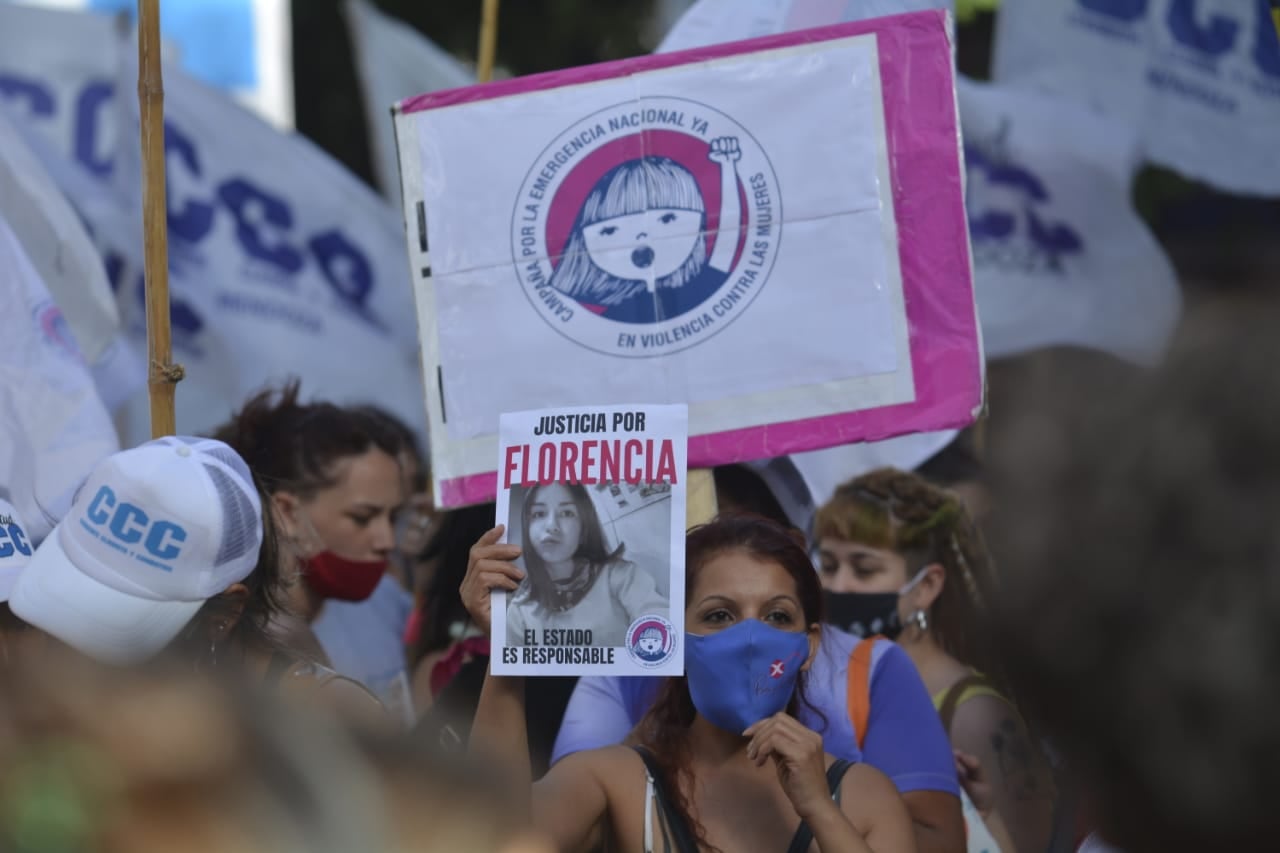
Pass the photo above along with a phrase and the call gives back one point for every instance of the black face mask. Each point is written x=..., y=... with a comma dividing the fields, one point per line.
x=864, y=614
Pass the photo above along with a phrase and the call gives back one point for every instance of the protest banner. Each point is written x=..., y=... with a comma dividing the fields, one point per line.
x=1201, y=80
x=1060, y=255
x=595, y=498
x=281, y=261
x=800, y=276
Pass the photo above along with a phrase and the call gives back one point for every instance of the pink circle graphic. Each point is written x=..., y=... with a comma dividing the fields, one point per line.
x=687, y=150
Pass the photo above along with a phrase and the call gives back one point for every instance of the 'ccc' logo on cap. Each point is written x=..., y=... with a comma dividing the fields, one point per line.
x=129, y=524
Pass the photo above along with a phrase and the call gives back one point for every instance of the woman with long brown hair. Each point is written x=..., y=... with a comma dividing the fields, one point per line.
x=724, y=763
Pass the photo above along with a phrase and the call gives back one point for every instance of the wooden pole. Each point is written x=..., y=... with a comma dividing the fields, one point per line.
x=163, y=375
x=488, y=41
x=700, y=497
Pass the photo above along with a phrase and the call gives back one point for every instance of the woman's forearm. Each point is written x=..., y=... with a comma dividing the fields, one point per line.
x=834, y=833
x=500, y=734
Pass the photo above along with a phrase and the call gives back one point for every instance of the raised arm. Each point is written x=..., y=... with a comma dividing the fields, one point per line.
x=569, y=804
x=499, y=729
x=726, y=153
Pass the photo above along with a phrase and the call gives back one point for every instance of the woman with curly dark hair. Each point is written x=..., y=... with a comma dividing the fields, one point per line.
x=724, y=764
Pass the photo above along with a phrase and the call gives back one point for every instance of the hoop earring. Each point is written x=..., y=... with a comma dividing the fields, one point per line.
x=921, y=620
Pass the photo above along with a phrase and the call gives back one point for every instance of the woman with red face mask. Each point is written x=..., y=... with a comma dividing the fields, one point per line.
x=335, y=484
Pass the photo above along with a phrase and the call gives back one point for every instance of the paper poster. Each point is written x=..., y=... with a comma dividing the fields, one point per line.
x=704, y=228
x=595, y=498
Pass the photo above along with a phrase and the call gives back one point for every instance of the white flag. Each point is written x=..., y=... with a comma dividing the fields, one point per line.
x=394, y=62
x=1201, y=80
x=53, y=426
x=53, y=236
x=1060, y=256
x=719, y=21
x=281, y=262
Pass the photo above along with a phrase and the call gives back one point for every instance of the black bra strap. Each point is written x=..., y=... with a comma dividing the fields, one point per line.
x=684, y=838
x=835, y=775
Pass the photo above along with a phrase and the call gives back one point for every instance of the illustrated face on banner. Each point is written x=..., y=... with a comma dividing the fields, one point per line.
x=555, y=523
x=648, y=225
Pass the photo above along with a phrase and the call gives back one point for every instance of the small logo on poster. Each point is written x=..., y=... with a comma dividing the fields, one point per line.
x=651, y=641
x=647, y=227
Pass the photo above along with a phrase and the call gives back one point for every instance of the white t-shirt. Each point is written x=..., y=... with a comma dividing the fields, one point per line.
x=622, y=593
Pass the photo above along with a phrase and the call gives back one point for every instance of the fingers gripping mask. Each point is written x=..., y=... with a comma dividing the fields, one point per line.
x=744, y=674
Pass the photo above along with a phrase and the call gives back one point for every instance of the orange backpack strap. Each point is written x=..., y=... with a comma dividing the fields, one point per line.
x=859, y=687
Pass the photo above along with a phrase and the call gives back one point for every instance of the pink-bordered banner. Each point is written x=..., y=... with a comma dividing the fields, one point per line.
x=827, y=300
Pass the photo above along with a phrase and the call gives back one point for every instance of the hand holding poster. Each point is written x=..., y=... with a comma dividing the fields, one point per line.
x=594, y=497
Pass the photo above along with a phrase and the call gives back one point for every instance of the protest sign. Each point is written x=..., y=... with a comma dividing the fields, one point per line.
x=595, y=498
x=703, y=228
x=1199, y=78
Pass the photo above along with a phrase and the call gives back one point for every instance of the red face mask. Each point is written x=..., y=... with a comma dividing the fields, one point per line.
x=337, y=577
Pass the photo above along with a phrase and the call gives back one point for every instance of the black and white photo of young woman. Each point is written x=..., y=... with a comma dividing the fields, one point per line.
x=574, y=579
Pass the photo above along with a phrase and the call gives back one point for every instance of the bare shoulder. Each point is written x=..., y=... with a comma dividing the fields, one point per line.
x=867, y=797
x=608, y=762
x=982, y=719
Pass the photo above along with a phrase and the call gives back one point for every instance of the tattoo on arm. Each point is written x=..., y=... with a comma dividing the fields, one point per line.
x=1015, y=761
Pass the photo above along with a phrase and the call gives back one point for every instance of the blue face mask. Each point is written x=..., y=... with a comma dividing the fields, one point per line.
x=741, y=675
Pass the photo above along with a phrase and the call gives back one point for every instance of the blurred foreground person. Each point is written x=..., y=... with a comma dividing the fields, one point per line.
x=156, y=760
x=1137, y=523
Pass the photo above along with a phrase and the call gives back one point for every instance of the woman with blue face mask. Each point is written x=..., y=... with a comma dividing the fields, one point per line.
x=724, y=764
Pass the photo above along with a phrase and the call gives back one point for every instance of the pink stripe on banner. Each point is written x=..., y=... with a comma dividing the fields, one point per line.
x=920, y=119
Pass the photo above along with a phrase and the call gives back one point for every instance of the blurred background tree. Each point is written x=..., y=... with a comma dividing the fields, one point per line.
x=533, y=36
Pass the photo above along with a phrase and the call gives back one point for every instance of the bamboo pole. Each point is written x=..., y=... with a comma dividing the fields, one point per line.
x=700, y=497
x=488, y=41
x=162, y=375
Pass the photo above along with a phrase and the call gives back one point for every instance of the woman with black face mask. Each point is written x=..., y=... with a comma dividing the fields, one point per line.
x=723, y=764
x=900, y=558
